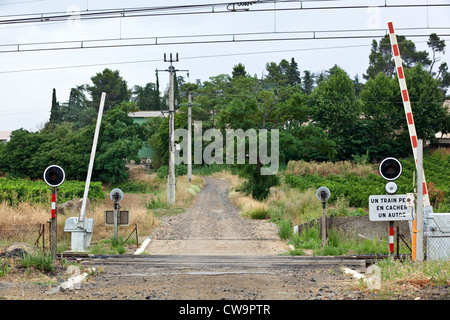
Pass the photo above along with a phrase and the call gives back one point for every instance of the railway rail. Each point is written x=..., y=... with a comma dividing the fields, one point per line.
x=225, y=260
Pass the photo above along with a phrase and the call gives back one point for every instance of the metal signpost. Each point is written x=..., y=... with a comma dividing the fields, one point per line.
x=323, y=194
x=116, y=196
x=54, y=176
x=391, y=206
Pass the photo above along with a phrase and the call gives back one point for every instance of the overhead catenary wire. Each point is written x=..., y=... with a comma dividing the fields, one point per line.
x=209, y=56
x=204, y=38
x=207, y=39
x=216, y=8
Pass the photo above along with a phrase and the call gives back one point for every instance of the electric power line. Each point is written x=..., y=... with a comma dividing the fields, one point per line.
x=194, y=9
x=197, y=39
x=188, y=58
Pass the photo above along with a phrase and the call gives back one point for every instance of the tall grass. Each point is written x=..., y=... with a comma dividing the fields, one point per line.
x=408, y=274
x=248, y=206
x=294, y=205
x=326, y=169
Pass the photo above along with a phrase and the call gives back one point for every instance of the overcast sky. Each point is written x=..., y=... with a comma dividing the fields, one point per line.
x=28, y=77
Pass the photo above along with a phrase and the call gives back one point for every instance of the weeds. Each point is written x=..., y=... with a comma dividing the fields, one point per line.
x=156, y=204
x=285, y=229
x=436, y=272
x=41, y=261
x=117, y=243
x=113, y=245
x=5, y=268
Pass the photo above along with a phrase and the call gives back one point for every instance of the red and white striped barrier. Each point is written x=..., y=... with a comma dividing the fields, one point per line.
x=406, y=104
x=411, y=129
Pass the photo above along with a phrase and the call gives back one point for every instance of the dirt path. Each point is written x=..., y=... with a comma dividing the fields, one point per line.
x=213, y=226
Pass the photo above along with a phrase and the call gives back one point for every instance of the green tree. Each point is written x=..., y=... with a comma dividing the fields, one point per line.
x=383, y=115
x=120, y=141
x=27, y=154
x=282, y=74
x=78, y=110
x=426, y=102
x=336, y=110
x=55, y=111
x=16, y=158
x=307, y=82
x=239, y=71
x=437, y=46
x=112, y=84
x=64, y=146
x=306, y=142
x=381, y=58
x=147, y=97
x=293, y=74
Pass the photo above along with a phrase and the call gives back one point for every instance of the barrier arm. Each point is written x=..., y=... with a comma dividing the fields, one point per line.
x=410, y=121
x=91, y=161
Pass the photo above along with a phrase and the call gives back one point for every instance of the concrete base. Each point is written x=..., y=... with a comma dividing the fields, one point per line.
x=361, y=227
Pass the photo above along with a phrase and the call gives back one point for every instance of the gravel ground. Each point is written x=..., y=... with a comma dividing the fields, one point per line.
x=210, y=229
x=213, y=226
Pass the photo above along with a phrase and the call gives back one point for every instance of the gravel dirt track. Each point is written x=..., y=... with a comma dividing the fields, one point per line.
x=213, y=226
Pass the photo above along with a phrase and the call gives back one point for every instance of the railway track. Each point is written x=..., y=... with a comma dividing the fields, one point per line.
x=216, y=277
x=168, y=261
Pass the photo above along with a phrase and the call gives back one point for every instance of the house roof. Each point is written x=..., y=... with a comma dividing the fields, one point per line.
x=4, y=135
x=147, y=114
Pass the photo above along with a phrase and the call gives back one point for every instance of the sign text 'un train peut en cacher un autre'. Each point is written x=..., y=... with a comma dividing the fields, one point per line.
x=389, y=208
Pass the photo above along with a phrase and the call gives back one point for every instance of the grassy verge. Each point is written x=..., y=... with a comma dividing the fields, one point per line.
x=406, y=277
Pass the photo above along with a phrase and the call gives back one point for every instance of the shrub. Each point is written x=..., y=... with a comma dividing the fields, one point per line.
x=284, y=229
x=257, y=213
x=156, y=204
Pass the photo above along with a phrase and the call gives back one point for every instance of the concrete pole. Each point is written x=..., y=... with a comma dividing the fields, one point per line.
x=419, y=211
x=189, y=151
x=171, y=176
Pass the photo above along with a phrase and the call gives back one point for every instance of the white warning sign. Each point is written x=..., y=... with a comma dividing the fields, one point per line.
x=389, y=208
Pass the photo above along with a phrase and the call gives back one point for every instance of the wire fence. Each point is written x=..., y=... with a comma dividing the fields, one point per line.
x=38, y=234
x=438, y=248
